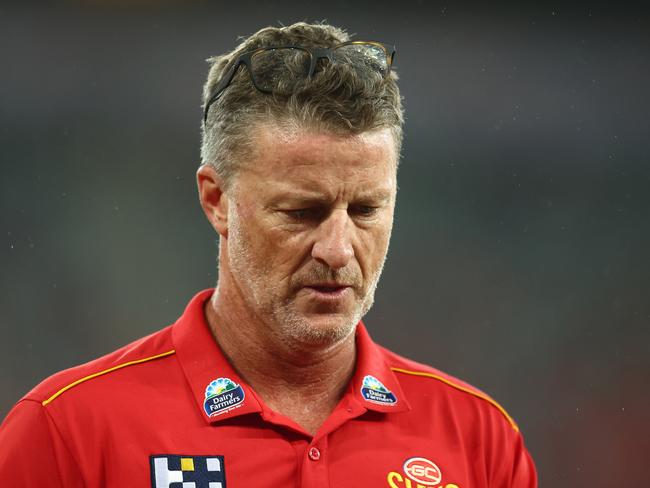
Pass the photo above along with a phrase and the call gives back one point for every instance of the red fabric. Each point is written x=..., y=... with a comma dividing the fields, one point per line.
x=103, y=431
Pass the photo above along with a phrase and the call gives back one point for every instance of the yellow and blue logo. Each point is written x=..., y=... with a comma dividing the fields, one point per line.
x=374, y=391
x=190, y=471
x=221, y=396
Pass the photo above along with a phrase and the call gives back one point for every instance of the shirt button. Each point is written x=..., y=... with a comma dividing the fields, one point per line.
x=314, y=454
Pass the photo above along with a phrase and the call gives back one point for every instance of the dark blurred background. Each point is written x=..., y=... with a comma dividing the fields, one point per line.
x=519, y=259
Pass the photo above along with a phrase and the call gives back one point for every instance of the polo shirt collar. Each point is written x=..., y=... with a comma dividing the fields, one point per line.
x=374, y=384
x=220, y=393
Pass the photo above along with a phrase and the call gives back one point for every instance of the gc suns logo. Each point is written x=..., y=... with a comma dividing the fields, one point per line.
x=418, y=472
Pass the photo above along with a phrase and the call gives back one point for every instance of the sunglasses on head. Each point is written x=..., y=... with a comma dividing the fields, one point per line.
x=276, y=69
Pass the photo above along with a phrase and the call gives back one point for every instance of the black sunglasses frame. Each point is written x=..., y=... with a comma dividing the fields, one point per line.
x=315, y=53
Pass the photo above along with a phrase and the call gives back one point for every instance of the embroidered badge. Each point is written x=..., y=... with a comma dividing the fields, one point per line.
x=374, y=391
x=188, y=471
x=418, y=472
x=221, y=396
x=422, y=470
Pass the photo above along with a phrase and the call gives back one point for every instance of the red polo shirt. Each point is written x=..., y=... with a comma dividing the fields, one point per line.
x=169, y=411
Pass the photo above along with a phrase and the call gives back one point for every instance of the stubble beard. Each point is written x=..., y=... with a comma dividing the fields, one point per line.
x=280, y=314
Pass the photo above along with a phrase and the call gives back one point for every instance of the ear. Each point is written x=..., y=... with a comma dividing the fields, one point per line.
x=213, y=198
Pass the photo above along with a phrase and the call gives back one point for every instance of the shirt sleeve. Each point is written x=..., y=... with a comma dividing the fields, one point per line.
x=32, y=452
x=511, y=463
x=523, y=473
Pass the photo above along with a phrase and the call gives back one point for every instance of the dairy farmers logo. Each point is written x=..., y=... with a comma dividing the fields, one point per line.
x=221, y=396
x=418, y=472
x=374, y=391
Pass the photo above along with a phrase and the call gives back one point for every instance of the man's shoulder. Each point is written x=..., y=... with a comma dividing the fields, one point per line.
x=421, y=373
x=422, y=381
x=152, y=347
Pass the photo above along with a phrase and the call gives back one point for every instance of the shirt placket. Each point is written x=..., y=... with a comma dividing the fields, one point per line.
x=314, y=472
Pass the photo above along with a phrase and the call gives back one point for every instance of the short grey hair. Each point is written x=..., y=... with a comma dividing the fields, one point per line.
x=340, y=99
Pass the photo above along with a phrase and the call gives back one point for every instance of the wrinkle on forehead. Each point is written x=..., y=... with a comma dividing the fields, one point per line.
x=309, y=163
x=294, y=147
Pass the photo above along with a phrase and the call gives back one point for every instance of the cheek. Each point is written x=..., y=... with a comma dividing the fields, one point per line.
x=373, y=248
x=288, y=251
x=250, y=227
x=272, y=249
x=381, y=246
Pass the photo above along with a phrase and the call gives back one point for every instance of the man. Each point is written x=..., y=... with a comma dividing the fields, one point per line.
x=271, y=379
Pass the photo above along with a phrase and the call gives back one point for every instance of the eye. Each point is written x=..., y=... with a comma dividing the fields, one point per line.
x=363, y=210
x=309, y=213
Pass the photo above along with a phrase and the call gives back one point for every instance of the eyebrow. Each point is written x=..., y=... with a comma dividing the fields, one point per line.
x=380, y=195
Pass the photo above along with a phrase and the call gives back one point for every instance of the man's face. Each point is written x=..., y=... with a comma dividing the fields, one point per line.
x=309, y=221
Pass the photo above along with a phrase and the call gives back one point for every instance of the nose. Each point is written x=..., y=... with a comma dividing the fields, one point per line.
x=333, y=244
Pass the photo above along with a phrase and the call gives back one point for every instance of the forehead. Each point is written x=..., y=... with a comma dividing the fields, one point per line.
x=322, y=161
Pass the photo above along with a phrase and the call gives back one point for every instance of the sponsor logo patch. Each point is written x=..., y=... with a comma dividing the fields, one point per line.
x=374, y=391
x=221, y=396
x=174, y=470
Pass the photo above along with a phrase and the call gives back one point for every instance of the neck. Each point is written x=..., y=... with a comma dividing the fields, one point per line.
x=302, y=381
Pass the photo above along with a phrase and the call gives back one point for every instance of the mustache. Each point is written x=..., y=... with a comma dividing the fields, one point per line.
x=322, y=273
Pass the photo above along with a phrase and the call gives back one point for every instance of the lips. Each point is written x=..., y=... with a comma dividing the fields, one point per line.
x=328, y=287
x=328, y=291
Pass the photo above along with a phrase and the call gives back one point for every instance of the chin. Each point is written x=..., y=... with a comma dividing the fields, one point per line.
x=320, y=330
